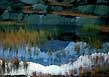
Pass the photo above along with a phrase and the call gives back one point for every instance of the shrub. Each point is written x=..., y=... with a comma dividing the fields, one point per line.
x=57, y=8
x=39, y=7
x=86, y=9
x=101, y=10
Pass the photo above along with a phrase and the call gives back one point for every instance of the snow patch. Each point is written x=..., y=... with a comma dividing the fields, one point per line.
x=82, y=61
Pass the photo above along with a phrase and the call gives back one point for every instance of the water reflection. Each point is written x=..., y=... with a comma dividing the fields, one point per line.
x=68, y=52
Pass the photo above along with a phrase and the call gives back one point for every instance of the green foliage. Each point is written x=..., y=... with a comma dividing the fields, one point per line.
x=94, y=9
x=90, y=29
x=39, y=7
x=5, y=14
x=57, y=8
x=49, y=19
x=88, y=21
x=101, y=10
x=95, y=42
x=67, y=0
x=86, y=9
x=49, y=9
x=89, y=33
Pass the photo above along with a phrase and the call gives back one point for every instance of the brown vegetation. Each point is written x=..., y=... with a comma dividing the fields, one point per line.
x=29, y=10
x=22, y=37
x=97, y=72
x=70, y=13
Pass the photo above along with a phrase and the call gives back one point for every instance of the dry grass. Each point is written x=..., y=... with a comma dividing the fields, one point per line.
x=29, y=10
x=70, y=13
x=22, y=37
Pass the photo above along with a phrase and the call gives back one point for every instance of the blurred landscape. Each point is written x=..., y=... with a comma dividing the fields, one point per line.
x=54, y=38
